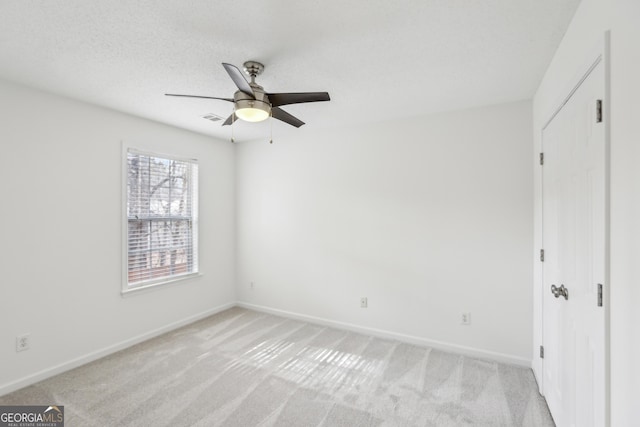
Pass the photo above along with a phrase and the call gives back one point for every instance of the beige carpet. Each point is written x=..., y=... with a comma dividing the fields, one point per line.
x=244, y=368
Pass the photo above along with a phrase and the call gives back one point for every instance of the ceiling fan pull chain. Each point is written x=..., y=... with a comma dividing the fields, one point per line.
x=233, y=117
x=271, y=126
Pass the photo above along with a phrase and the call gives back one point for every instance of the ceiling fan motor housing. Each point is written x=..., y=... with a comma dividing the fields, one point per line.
x=246, y=106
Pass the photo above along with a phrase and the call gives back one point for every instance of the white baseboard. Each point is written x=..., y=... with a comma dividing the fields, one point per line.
x=87, y=358
x=424, y=342
x=538, y=382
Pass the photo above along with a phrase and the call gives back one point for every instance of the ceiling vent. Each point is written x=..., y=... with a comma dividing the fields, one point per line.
x=212, y=117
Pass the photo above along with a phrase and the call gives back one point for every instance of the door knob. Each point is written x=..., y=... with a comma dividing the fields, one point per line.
x=558, y=291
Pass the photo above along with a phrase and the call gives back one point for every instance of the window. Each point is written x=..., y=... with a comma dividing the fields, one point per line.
x=162, y=219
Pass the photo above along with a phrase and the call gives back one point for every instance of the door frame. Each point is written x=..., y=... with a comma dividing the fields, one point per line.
x=600, y=54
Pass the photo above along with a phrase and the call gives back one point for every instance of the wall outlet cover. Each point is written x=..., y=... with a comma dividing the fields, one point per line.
x=465, y=319
x=23, y=342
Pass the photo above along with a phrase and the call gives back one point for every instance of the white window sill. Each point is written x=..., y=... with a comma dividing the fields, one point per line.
x=158, y=285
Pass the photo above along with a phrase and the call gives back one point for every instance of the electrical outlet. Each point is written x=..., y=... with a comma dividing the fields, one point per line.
x=23, y=342
x=363, y=302
x=465, y=319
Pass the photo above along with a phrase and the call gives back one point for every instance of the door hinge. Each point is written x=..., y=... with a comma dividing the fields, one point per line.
x=541, y=255
x=541, y=159
x=599, y=111
x=599, y=294
x=541, y=352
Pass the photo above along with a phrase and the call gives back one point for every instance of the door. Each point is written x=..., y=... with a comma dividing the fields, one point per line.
x=575, y=257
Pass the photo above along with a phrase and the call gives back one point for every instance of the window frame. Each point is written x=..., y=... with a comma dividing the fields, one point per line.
x=126, y=287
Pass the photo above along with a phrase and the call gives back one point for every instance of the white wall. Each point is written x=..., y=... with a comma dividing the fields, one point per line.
x=592, y=19
x=428, y=217
x=60, y=257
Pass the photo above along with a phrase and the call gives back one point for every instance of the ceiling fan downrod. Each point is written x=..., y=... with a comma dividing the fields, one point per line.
x=253, y=69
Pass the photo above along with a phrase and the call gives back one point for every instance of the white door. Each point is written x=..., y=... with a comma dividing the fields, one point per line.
x=574, y=241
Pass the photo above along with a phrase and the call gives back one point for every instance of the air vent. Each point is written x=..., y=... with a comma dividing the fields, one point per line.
x=212, y=117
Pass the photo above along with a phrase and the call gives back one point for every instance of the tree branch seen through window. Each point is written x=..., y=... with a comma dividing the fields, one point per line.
x=162, y=218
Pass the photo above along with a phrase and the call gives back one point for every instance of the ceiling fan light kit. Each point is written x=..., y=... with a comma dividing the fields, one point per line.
x=252, y=110
x=253, y=104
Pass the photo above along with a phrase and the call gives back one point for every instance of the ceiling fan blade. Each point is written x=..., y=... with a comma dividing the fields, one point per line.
x=278, y=99
x=286, y=117
x=238, y=79
x=232, y=118
x=198, y=96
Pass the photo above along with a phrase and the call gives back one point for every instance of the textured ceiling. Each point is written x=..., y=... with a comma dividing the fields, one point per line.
x=378, y=59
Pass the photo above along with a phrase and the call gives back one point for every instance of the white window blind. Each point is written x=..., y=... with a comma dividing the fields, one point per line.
x=162, y=218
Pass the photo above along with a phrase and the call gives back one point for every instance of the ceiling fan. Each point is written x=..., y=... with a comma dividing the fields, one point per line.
x=253, y=104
